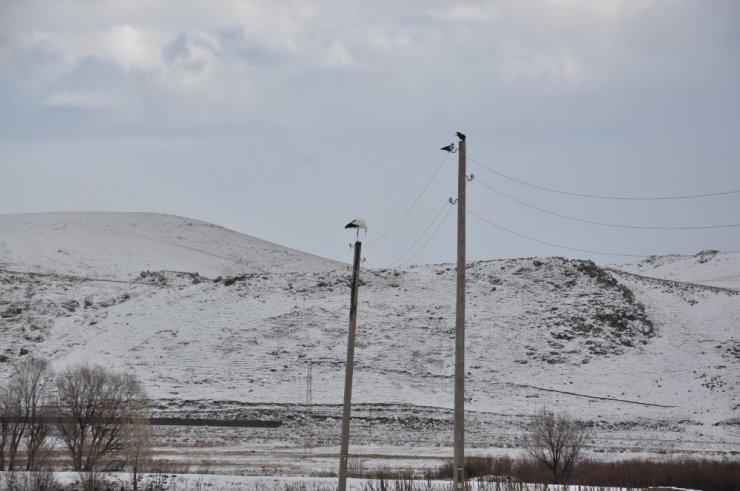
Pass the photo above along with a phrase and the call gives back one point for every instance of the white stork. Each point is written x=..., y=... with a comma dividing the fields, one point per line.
x=357, y=223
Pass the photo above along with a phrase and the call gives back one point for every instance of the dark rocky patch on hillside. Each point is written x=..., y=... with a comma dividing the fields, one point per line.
x=583, y=309
x=31, y=304
x=169, y=278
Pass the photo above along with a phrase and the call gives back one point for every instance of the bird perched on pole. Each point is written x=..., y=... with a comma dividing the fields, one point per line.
x=449, y=148
x=357, y=223
x=461, y=136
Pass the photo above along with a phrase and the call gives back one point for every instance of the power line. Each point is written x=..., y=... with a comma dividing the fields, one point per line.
x=430, y=237
x=439, y=167
x=420, y=235
x=582, y=220
x=599, y=196
x=560, y=246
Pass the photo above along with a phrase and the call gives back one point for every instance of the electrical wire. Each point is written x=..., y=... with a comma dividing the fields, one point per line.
x=439, y=167
x=429, y=239
x=434, y=220
x=582, y=220
x=599, y=196
x=560, y=246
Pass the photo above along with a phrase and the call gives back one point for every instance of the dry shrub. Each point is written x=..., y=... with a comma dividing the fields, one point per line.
x=399, y=484
x=479, y=467
x=30, y=481
x=704, y=474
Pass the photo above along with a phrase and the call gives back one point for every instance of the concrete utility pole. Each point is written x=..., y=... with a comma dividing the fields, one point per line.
x=344, y=446
x=459, y=439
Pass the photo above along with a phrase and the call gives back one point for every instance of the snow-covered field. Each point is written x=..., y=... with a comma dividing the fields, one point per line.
x=222, y=325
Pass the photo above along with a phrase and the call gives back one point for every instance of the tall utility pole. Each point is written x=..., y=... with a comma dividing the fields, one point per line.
x=459, y=438
x=344, y=446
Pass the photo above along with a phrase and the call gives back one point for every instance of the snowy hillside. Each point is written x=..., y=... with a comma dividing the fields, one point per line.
x=647, y=360
x=713, y=268
x=121, y=245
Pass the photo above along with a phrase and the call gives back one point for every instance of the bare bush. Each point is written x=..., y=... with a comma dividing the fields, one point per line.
x=94, y=405
x=136, y=435
x=31, y=481
x=556, y=442
x=478, y=466
x=690, y=473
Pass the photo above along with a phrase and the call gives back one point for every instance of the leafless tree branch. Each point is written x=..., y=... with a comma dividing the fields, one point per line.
x=557, y=442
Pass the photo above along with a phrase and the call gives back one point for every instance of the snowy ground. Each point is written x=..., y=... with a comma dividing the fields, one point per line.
x=706, y=268
x=277, y=483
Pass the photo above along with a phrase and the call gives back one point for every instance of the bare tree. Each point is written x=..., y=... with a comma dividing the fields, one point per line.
x=22, y=415
x=22, y=421
x=557, y=442
x=93, y=407
x=7, y=418
x=12, y=425
x=32, y=376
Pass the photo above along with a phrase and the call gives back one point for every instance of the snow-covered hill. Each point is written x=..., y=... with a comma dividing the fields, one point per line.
x=122, y=245
x=644, y=359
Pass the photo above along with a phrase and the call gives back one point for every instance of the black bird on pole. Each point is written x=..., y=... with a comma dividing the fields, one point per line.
x=461, y=136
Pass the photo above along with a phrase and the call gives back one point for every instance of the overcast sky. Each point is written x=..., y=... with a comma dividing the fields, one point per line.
x=285, y=120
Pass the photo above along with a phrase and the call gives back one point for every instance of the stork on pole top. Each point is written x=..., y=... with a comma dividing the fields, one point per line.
x=357, y=223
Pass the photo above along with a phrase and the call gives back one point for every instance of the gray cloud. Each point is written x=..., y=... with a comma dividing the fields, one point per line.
x=249, y=113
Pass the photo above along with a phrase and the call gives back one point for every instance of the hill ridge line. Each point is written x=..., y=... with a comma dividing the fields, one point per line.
x=716, y=289
x=81, y=278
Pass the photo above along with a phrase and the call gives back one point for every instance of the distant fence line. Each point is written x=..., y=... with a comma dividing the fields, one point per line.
x=236, y=423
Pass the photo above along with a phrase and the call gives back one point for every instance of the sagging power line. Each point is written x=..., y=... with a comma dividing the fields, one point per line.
x=551, y=244
x=604, y=224
x=421, y=235
x=428, y=239
x=449, y=149
x=418, y=197
x=601, y=196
